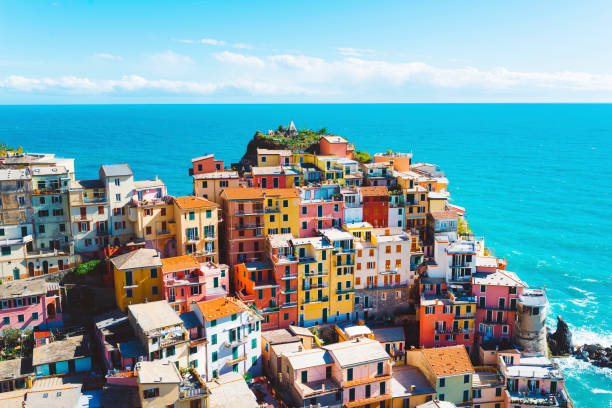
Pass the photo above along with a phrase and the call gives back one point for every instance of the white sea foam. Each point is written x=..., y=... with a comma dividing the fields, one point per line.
x=600, y=391
x=589, y=280
x=578, y=289
x=576, y=368
x=584, y=335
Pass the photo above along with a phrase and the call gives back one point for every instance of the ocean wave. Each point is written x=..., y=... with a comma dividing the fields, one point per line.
x=576, y=368
x=600, y=391
x=579, y=290
x=589, y=280
x=583, y=335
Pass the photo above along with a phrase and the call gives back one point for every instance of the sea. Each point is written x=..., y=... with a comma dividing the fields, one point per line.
x=536, y=179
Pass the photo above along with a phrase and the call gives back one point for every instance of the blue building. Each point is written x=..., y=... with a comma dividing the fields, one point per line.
x=71, y=355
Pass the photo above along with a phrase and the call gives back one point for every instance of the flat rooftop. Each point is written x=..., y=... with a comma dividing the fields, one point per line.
x=154, y=315
x=61, y=350
x=157, y=372
x=22, y=288
x=230, y=391
x=404, y=377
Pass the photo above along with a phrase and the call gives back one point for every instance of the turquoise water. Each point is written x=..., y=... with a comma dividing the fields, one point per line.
x=534, y=178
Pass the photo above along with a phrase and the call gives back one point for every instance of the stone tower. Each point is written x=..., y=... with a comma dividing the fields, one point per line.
x=530, y=328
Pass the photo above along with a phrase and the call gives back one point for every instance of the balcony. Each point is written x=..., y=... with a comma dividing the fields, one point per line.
x=306, y=259
x=465, y=316
x=163, y=232
x=315, y=274
x=94, y=200
x=273, y=209
x=248, y=226
x=316, y=286
x=235, y=360
x=288, y=292
x=210, y=237
x=345, y=290
x=79, y=218
x=234, y=343
x=50, y=190
x=288, y=305
x=250, y=211
x=13, y=189
x=341, y=250
x=169, y=340
x=289, y=277
x=318, y=300
x=534, y=399
x=192, y=393
x=192, y=239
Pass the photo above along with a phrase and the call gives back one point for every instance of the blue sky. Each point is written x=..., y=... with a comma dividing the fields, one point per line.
x=317, y=51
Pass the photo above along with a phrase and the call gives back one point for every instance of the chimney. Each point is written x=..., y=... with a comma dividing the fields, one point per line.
x=412, y=388
x=300, y=347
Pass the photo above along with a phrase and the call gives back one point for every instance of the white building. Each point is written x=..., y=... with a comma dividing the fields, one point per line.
x=233, y=336
x=119, y=184
x=353, y=205
x=454, y=259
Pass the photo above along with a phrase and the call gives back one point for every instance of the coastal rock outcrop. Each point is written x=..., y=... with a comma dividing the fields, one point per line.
x=595, y=354
x=560, y=342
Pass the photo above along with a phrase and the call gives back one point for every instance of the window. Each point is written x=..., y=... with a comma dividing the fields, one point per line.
x=466, y=395
x=6, y=250
x=6, y=320
x=367, y=391
x=154, y=290
x=379, y=369
x=498, y=392
x=191, y=215
x=234, y=316
x=442, y=382
x=208, y=213
x=117, y=197
x=304, y=377
x=20, y=318
x=213, y=339
x=466, y=378
x=304, y=225
x=430, y=309
x=383, y=388
x=349, y=374
x=150, y=392
x=441, y=397
x=214, y=356
x=477, y=394
x=352, y=394
x=254, y=343
x=128, y=293
x=193, y=350
x=153, y=272
x=535, y=311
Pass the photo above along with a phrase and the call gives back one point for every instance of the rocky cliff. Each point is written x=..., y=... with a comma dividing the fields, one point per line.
x=560, y=342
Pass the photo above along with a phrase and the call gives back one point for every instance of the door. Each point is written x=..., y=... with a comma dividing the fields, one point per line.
x=71, y=366
x=488, y=331
x=45, y=267
x=31, y=269
x=128, y=278
x=60, y=264
x=15, y=274
x=553, y=387
x=83, y=213
x=52, y=370
x=325, y=315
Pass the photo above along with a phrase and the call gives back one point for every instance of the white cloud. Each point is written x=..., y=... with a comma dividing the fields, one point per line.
x=302, y=75
x=207, y=41
x=243, y=46
x=170, y=58
x=239, y=59
x=106, y=56
x=354, y=52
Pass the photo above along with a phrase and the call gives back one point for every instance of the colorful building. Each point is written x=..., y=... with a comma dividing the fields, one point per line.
x=29, y=303
x=363, y=369
x=137, y=277
x=272, y=158
x=233, y=334
x=155, y=224
x=399, y=161
x=210, y=185
x=268, y=177
x=353, y=205
x=488, y=387
x=205, y=164
x=197, y=222
x=497, y=303
x=89, y=213
x=184, y=282
x=532, y=380
x=379, y=174
x=68, y=356
x=341, y=274
x=281, y=207
x=321, y=207
x=409, y=387
x=331, y=145
x=375, y=205
x=448, y=370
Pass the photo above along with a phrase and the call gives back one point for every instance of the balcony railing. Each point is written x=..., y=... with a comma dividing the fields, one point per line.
x=344, y=290
x=192, y=393
x=163, y=232
x=250, y=211
x=248, y=226
x=316, y=286
x=307, y=259
x=273, y=209
x=317, y=300
x=193, y=238
x=234, y=343
x=235, y=360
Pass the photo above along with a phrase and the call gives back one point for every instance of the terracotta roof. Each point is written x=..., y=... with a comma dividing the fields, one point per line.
x=189, y=202
x=243, y=193
x=282, y=192
x=444, y=214
x=374, y=191
x=448, y=361
x=179, y=263
x=221, y=307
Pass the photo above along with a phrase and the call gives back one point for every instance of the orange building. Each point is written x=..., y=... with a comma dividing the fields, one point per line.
x=333, y=146
x=243, y=225
x=399, y=161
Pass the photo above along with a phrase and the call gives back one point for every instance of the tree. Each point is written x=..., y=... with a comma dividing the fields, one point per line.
x=362, y=156
x=87, y=267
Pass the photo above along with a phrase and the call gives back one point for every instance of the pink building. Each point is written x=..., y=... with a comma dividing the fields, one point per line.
x=333, y=146
x=186, y=280
x=205, y=164
x=496, y=296
x=320, y=207
x=29, y=303
x=532, y=380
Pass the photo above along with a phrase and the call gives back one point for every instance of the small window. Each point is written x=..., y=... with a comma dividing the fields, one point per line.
x=442, y=382
x=213, y=323
x=214, y=356
x=153, y=272
x=466, y=378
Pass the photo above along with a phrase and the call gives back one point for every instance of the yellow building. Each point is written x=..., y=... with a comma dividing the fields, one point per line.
x=137, y=277
x=196, y=227
x=281, y=208
x=342, y=270
x=267, y=157
x=314, y=262
x=210, y=185
x=154, y=223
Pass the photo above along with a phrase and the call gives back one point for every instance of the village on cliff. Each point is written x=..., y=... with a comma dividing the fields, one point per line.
x=309, y=274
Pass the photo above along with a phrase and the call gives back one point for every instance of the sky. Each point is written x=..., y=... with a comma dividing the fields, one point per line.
x=107, y=51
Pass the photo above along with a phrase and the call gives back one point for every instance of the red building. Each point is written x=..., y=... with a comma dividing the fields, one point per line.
x=375, y=205
x=268, y=177
x=497, y=296
x=183, y=282
x=205, y=164
x=271, y=286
